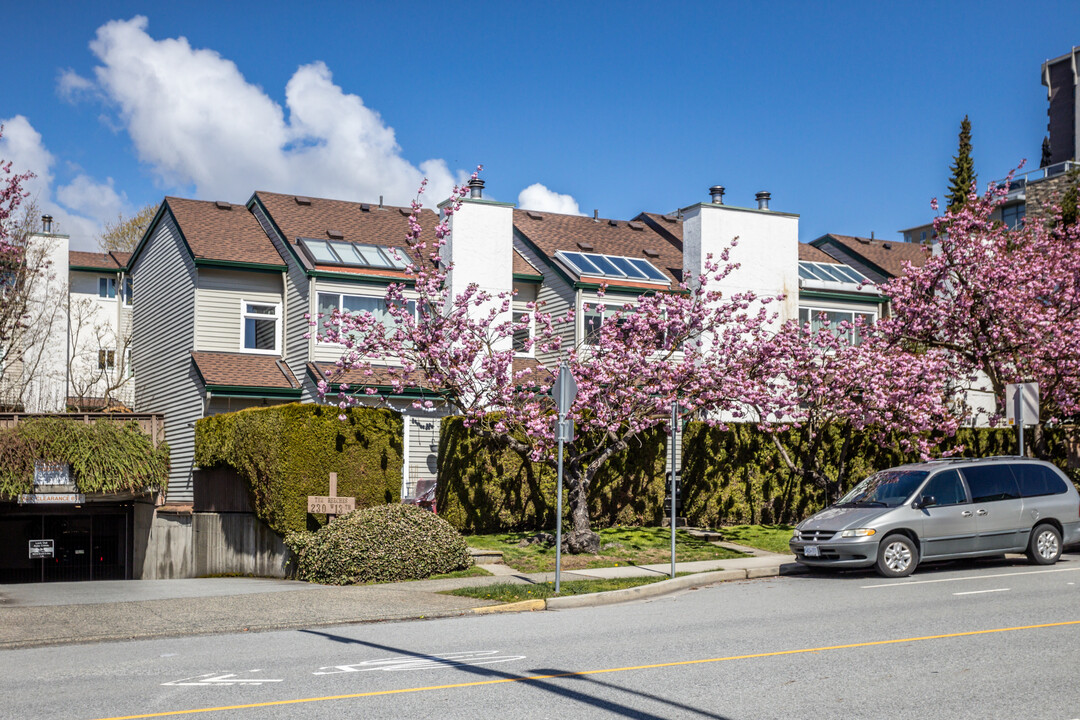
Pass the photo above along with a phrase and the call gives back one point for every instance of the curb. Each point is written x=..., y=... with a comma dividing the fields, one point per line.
x=642, y=592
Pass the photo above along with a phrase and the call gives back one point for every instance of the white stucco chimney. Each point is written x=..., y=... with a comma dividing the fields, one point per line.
x=481, y=244
x=767, y=253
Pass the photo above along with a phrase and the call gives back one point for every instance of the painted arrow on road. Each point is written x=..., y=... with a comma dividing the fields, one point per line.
x=221, y=679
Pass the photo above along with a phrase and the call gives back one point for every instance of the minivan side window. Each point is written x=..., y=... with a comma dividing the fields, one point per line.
x=991, y=482
x=946, y=488
x=1038, y=480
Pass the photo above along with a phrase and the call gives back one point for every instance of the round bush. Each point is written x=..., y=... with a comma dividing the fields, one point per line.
x=384, y=543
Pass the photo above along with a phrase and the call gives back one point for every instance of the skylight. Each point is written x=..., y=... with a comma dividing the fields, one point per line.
x=830, y=272
x=338, y=252
x=612, y=266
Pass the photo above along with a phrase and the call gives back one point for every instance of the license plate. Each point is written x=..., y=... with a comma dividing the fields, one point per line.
x=812, y=551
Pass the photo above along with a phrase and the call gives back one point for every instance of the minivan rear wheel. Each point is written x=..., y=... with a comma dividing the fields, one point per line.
x=1044, y=547
x=897, y=556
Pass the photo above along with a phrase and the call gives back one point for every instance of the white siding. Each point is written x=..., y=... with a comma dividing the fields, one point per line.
x=219, y=323
x=164, y=321
x=422, y=459
x=556, y=296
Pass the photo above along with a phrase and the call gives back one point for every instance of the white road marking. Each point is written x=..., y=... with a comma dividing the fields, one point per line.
x=973, y=577
x=221, y=679
x=422, y=662
x=979, y=592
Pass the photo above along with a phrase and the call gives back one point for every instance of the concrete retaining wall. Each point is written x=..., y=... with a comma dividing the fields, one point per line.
x=199, y=544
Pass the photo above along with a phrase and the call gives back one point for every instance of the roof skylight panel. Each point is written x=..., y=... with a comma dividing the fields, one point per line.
x=581, y=263
x=649, y=269
x=628, y=269
x=605, y=265
x=320, y=250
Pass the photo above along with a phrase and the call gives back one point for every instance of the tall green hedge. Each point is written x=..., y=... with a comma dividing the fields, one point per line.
x=485, y=488
x=286, y=453
x=736, y=475
x=105, y=456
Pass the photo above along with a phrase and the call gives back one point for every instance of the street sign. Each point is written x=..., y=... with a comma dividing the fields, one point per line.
x=52, y=499
x=41, y=549
x=1025, y=408
x=51, y=473
x=330, y=505
x=564, y=390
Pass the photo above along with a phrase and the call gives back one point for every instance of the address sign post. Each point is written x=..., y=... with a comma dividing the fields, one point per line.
x=331, y=504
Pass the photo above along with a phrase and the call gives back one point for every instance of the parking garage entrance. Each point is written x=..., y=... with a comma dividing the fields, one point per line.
x=46, y=545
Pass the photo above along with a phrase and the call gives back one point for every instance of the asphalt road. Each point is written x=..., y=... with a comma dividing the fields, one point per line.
x=987, y=640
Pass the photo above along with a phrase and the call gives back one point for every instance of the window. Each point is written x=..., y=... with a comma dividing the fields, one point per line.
x=328, y=302
x=946, y=488
x=339, y=252
x=106, y=359
x=922, y=236
x=888, y=488
x=613, y=266
x=106, y=287
x=1038, y=480
x=1013, y=216
x=261, y=327
x=524, y=335
x=991, y=482
x=129, y=289
x=817, y=317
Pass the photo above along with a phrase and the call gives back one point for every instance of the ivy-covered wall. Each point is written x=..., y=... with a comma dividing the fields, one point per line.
x=105, y=456
x=482, y=488
x=286, y=452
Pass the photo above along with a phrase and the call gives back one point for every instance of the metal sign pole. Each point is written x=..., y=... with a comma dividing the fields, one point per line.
x=558, y=519
x=674, y=421
x=1020, y=418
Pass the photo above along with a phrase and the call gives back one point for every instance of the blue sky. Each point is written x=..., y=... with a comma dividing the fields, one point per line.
x=846, y=112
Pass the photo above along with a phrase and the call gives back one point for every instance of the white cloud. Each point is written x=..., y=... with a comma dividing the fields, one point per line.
x=78, y=207
x=538, y=197
x=71, y=86
x=196, y=121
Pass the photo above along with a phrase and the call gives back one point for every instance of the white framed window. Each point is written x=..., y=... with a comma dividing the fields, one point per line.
x=128, y=292
x=261, y=327
x=818, y=317
x=106, y=287
x=328, y=302
x=106, y=360
x=524, y=335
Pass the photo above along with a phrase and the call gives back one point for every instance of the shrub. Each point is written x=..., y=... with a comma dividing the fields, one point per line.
x=379, y=544
x=485, y=488
x=285, y=453
x=105, y=456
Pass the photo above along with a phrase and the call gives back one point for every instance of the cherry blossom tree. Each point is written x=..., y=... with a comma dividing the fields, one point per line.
x=1003, y=303
x=15, y=226
x=694, y=345
x=851, y=378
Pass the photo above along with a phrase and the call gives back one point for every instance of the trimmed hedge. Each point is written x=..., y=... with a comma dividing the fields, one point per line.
x=286, y=452
x=379, y=544
x=105, y=456
x=736, y=476
x=483, y=488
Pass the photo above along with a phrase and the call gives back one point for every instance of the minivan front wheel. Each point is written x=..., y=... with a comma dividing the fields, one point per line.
x=1044, y=547
x=897, y=556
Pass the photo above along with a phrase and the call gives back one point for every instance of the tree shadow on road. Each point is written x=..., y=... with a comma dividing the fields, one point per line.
x=541, y=679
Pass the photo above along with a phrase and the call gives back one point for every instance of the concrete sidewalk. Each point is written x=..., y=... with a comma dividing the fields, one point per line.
x=56, y=613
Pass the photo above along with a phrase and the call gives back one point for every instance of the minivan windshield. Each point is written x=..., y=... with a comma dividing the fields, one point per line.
x=888, y=488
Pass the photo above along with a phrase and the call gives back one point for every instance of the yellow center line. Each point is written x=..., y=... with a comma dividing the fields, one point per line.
x=533, y=678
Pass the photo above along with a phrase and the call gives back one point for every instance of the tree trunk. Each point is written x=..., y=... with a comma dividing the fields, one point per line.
x=580, y=538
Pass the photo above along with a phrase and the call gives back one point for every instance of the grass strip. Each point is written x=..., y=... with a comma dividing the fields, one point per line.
x=773, y=538
x=467, y=572
x=515, y=592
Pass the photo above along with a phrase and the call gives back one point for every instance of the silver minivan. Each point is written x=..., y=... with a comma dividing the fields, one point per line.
x=942, y=510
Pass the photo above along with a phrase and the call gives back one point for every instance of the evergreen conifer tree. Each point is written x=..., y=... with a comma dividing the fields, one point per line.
x=963, y=169
x=1045, y=160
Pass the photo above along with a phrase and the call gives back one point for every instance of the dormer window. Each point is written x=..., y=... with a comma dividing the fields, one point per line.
x=262, y=326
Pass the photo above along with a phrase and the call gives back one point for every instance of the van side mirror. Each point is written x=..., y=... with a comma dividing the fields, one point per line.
x=925, y=501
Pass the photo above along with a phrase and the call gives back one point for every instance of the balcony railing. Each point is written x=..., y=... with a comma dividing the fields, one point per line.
x=1019, y=182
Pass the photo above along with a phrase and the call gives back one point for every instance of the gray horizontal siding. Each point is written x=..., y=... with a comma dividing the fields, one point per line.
x=555, y=297
x=218, y=305
x=163, y=320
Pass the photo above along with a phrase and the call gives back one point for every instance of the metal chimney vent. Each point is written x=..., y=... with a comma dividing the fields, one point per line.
x=763, y=200
x=46, y=223
x=476, y=188
x=222, y=205
x=717, y=193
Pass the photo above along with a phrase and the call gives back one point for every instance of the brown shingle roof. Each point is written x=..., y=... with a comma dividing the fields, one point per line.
x=523, y=266
x=105, y=261
x=244, y=370
x=386, y=226
x=813, y=254
x=357, y=377
x=888, y=255
x=670, y=226
x=551, y=232
x=223, y=231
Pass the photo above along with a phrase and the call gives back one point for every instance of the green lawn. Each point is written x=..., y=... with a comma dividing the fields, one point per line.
x=467, y=572
x=618, y=546
x=773, y=538
x=515, y=592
